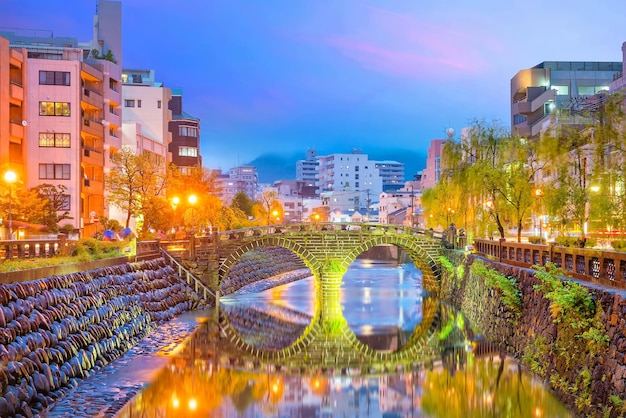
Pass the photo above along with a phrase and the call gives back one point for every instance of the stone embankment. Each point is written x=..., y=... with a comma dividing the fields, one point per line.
x=261, y=264
x=584, y=364
x=56, y=331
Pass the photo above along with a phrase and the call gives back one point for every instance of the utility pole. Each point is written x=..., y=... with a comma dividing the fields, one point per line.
x=367, y=207
x=411, y=206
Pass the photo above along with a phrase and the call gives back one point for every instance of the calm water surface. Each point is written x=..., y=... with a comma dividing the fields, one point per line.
x=382, y=305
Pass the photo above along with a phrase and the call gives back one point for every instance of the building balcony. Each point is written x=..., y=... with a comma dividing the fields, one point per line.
x=17, y=130
x=93, y=127
x=528, y=107
x=91, y=99
x=92, y=157
x=16, y=93
x=91, y=186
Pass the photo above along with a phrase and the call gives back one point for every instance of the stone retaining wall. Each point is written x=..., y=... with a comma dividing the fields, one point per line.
x=592, y=385
x=57, y=330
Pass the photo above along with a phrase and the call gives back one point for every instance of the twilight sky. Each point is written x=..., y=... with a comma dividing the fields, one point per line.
x=280, y=76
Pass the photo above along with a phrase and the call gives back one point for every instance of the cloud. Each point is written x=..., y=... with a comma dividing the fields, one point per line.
x=410, y=47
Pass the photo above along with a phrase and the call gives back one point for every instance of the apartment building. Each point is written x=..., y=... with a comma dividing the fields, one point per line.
x=558, y=92
x=392, y=174
x=13, y=108
x=432, y=172
x=72, y=121
x=306, y=170
x=146, y=116
x=185, y=130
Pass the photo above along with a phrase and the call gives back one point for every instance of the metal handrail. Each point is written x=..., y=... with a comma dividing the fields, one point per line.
x=190, y=278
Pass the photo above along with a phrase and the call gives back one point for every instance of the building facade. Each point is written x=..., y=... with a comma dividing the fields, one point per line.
x=185, y=130
x=557, y=93
x=146, y=116
x=73, y=118
x=432, y=172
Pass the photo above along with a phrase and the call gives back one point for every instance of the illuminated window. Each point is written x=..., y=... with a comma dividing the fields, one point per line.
x=561, y=90
x=187, y=151
x=54, y=109
x=53, y=139
x=188, y=131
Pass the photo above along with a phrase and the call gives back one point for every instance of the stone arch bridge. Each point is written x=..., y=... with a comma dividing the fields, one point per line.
x=326, y=248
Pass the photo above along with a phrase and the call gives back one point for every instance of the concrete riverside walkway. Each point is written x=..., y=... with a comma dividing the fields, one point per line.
x=105, y=393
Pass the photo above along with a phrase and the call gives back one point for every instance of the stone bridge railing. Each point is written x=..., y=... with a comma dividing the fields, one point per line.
x=588, y=264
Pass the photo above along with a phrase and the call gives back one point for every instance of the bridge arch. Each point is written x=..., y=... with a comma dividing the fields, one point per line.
x=431, y=273
x=270, y=240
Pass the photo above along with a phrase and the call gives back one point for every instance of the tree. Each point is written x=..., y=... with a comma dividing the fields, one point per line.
x=136, y=184
x=56, y=207
x=267, y=204
x=243, y=202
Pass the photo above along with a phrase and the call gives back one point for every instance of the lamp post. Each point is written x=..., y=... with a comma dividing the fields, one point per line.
x=539, y=195
x=192, y=199
x=10, y=178
x=175, y=202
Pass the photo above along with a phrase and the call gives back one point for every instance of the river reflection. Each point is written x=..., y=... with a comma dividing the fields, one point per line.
x=209, y=377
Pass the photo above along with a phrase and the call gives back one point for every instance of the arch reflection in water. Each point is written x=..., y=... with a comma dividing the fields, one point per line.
x=210, y=377
x=382, y=309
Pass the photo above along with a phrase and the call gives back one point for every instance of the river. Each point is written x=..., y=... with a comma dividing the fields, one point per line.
x=382, y=304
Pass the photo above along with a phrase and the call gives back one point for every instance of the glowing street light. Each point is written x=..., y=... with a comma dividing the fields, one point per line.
x=10, y=177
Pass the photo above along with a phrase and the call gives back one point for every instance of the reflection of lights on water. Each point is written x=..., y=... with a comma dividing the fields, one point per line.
x=192, y=404
x=367, y=330
x=175, y=402
x=538, y=412
x=487, y=398
x=367, y=295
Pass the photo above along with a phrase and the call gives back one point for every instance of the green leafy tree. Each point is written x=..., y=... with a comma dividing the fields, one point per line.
x=55, y=209
x=136, y=184
x=243, y=202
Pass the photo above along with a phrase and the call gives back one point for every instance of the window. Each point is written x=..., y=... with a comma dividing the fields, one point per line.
x=158, y=104
x=129, y=103
x=112, y=84
x=60, y=202
x=54, y=171
x=187, y=151
x=54, y=78
x=54, y=109
x=188, y=131
x=561, y=90
x=356, y=176
x=53, y=139
x=138, y=103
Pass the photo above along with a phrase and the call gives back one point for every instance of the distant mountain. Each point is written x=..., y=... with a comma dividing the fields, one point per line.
x=272, y=167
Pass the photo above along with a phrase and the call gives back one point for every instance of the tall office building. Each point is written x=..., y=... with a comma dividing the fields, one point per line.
x=73, y=118
x=558, y=92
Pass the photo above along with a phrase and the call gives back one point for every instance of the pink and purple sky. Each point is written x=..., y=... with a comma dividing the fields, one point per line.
x=278, y=77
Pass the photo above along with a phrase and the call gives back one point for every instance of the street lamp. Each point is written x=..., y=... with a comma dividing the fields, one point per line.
x=10, y=178
x=193, y=199
x=539, y=195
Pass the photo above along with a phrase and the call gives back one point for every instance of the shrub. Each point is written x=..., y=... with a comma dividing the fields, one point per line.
x=536, y=240
x=619, y=244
